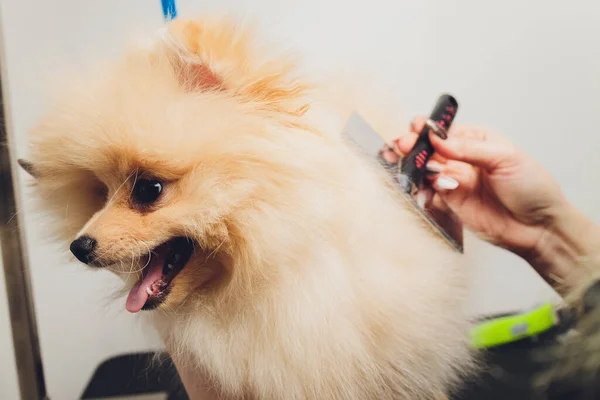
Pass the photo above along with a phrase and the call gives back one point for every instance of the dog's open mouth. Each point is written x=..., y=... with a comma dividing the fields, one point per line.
x=165, y=262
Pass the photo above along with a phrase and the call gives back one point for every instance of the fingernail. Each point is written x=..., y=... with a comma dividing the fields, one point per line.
x=444, y=182
x=434, y=166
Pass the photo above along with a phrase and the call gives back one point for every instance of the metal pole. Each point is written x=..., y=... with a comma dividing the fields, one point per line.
x=14, y=260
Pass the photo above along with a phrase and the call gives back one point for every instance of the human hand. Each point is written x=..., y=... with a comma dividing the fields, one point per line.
x=496, y=189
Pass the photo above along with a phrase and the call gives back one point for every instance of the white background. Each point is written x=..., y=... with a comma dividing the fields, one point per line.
x=529, y=69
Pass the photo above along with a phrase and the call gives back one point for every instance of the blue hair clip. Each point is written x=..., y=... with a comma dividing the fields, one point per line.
x=169, y=9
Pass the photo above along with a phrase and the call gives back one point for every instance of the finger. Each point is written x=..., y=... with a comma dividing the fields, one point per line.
x=466, y=176
x=456, y=184
x=474, y=132
x=467, y=131
x=450, y=192
x=444, y=183
x=435, y=166
x=480, y=153
x=389, y=155
x=417, y=124
x=438, y=203
x=404, y=144
x=424, y=196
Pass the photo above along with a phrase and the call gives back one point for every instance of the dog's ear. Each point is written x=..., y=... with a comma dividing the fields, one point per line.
x=190, y=61
x=197, y=76
x=27, y=167
x=218, y=55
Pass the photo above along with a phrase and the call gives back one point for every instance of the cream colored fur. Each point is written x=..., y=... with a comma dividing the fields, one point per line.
x=314, y=279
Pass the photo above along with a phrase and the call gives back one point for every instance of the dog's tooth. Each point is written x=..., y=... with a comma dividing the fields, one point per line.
x=149, y=291
x=170, y=266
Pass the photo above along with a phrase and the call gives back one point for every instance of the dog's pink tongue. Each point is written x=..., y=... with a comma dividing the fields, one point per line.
x=139, y=292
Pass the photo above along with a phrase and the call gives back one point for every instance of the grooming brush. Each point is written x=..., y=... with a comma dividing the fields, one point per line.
x=408, y=177
x=413, y=169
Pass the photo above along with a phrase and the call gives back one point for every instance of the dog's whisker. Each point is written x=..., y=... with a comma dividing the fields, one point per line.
x=67, y=206
x=150, y=252
x=137, y=171
x=132, y=261
x=101, y=255
x=212, y=253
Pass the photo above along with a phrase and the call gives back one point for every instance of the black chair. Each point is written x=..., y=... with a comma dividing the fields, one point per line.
x=135, y=374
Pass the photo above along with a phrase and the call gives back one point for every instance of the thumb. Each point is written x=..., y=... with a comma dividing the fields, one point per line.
x=475, y=151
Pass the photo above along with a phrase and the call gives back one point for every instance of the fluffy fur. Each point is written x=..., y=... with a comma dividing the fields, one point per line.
x=311, y=278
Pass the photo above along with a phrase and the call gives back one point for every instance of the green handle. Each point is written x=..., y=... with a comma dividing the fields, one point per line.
x=508, y=329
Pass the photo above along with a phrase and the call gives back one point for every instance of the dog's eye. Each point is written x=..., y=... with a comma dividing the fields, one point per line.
x=146, y=191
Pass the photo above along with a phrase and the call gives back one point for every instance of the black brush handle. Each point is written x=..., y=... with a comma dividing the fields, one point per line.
x=413, y=164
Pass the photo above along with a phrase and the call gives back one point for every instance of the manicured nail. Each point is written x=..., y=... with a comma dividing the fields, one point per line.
x=444, y=182
x=434, y=166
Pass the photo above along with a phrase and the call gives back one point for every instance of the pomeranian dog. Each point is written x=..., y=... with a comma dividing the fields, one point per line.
x=275, y=260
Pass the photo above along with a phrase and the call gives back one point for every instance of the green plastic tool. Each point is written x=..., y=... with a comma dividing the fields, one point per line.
x=508, y=329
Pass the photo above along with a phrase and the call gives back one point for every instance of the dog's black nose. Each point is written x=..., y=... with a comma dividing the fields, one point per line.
x=83, y=248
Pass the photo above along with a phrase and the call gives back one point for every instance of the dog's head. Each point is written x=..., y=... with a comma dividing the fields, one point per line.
x=158, y=165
